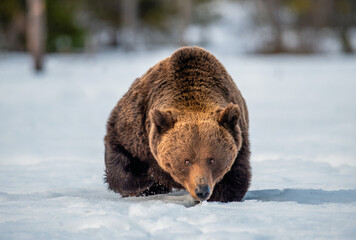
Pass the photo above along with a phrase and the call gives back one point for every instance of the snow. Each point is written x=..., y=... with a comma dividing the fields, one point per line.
x=303, y=135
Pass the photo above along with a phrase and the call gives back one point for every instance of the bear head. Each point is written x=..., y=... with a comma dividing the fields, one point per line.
x=196, y=150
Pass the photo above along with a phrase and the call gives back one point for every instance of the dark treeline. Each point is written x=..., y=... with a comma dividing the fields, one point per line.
x=78, y=25
x=85, y=25
x=306, y=22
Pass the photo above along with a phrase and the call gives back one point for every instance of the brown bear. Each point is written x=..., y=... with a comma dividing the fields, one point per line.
x=183, y=124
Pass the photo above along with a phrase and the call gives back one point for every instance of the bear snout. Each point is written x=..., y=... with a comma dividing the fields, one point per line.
x=202, y=192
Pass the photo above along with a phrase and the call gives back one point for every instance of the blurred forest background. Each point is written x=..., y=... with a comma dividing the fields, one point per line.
x=266, y=26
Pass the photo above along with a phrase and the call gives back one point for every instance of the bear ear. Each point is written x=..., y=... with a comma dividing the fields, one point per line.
x=229, y=117
x=162, y=120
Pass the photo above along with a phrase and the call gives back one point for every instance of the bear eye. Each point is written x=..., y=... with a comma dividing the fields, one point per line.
x=187, y=162
x=211, y=160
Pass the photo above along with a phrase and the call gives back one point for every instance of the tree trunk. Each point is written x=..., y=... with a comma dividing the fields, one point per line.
x=129, y=15
x=345, y=40
x=274, y=7
x=36, y=31
x=185, y=10
x=113, y=41
x=268, y=13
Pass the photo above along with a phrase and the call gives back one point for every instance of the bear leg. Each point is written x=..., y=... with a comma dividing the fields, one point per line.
x=155, y=189
x=124, y=173
x=234, y=185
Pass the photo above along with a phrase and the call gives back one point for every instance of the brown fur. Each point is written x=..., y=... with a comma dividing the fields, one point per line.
x=185, y=108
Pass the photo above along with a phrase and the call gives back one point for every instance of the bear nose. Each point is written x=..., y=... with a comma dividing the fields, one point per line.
x=202, y=192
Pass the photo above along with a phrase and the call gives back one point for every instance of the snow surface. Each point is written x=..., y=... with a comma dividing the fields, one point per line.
x=303, y=136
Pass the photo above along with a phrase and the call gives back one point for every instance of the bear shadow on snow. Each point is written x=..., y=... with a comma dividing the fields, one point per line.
x=182, y=125
x=300, y=196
